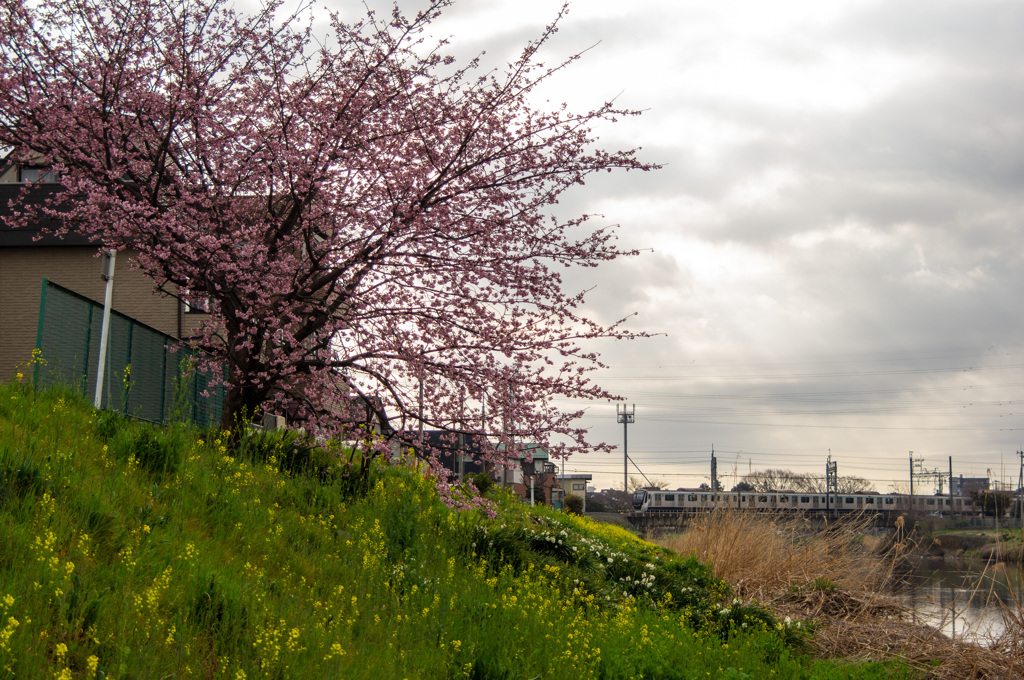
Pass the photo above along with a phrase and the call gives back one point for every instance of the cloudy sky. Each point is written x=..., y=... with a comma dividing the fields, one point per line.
x=832, y=252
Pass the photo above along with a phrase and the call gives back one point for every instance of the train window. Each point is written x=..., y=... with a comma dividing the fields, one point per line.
x=849, y=500
x=703, y=496
x=946, y=502
x=869, y=501
x=931, y=501
x=783, y=499
x=805, y=499
x=714, y=497
x=762, y=499
x=743, y=499
x=670, y=496
x=692, y=497
x=888, y=501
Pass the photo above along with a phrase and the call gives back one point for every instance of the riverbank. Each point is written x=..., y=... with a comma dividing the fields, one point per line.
x=842, y=582
x=988, y=545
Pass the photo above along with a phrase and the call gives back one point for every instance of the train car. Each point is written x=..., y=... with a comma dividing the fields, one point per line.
x=698, y=500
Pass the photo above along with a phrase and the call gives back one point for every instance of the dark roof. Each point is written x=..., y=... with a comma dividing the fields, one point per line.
x=38, y=232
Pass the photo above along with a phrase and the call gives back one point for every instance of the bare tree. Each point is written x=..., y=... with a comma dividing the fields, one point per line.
x=787, y=480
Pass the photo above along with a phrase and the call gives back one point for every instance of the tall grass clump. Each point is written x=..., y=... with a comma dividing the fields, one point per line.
x=131, y=551
x=782, y=559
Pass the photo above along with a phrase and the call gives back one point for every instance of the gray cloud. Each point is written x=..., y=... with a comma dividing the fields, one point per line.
x=834, y=247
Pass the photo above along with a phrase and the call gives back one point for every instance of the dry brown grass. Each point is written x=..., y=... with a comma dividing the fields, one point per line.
x=918, y=646
x=781, y=559
x=840, y=579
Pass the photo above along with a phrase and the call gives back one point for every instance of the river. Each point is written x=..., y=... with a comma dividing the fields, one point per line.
x=964, y=599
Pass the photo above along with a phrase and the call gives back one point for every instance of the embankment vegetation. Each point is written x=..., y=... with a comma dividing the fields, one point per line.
x=130, y=551
x=841, y=579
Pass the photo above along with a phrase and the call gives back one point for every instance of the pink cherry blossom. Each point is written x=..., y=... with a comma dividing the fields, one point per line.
x=363, y=216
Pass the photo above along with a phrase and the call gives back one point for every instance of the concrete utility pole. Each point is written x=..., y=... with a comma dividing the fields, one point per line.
x=625, y=417
x=951, y=501
x=911, y=477
x=1020, y=491
x=831, y=483
x=714, y=470
x=107, y=272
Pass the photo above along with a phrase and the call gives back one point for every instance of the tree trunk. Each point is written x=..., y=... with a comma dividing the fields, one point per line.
x=240, y=406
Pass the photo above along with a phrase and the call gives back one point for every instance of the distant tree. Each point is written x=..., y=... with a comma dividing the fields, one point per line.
x=787, y=480
x=644, y=483
x=618, y=500
x=992, y=503
x=743, y=487
x=574, y=504
x=848, y=485
x=704, y=486
x=597, y=505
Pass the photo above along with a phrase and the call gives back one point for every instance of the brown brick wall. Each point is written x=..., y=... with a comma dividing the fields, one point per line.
x=22, y=271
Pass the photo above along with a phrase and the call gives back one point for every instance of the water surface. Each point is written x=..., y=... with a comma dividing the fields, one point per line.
x=963, y=600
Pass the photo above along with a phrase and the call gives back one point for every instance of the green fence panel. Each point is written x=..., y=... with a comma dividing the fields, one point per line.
x=148, y=374
x=66, y=353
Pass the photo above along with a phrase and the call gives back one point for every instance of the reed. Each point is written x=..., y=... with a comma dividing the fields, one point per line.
x=783, y=560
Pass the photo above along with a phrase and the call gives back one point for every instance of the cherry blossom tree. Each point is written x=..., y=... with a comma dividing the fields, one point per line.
x=365, y=215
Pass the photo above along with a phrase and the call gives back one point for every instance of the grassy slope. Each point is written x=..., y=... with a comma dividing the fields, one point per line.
x=129, y=552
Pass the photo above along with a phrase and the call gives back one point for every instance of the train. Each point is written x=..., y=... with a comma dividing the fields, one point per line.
x=697, y=500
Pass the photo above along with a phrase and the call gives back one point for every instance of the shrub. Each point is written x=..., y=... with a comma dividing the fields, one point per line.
x=483, y=482
x=574, y=504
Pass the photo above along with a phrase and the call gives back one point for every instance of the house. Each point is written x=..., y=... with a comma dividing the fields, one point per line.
x=576, y=484
x=29, y=254
x=536, y=478
x=968, y=485
x=457, y=451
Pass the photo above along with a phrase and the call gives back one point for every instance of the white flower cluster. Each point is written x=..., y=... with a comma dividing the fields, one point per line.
x=645, y=581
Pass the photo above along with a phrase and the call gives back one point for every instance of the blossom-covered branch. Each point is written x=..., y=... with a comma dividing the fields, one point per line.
x=363, y=217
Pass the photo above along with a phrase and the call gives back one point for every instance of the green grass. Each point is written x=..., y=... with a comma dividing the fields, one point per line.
x=128, y=551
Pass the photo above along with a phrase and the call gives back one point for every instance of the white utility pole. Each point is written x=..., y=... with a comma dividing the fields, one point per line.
x=107, y=272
